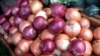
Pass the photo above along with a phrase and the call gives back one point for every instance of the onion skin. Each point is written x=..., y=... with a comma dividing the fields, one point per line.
x=72, y=28
x=66, y=53
x=77, y=47
x=57, y=25
x=15, y=10
x=35, y=49
x=96, y=47
x=13, y=30
x=7, y=11
x=47, y=55
x=29, y=33
x=72, y=14
x=86, y=34
x=24, y=3
x=16, y=37
x=39, y=23
x=18, y=52
x=11, y=20
x=28, y=54
x=31, y=18
x=37, y=5
x=58, y=7
x=48, y=11
x=47, y=46
x=96, y=33
x=46, y=34
x=24, y=24
x=62, y=38
x=88, y=50
x=84, y=23
x=2, y=19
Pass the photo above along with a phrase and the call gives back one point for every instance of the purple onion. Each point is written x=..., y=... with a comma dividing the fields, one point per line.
x=6, y=26
x=58, y=10
x=40, y=23
x=24, y=3
x=29, y=33
x=7, y=11
x=18, y=2
x=77, y=47
x=57, y=25
x=47, y=46
x=15, y=10
x=24, y=11
x=17, y=20
x=2, y=19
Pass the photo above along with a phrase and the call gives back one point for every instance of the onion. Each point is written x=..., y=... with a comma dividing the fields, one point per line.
x=45, y=34
x=17, y=20
x=47, y=46
x=18, y=2
x=96, y=47
x=48, y=11
x=88, y=50
x=24, y=24
x=72, y=28
x=36, y=6
x=24, y=45
x=72, y=14
x=11, y=20
x=13, y=29
x=39, y=23
x=15, y=10
x=2, y=19
x=18, y=52
x=57, y=25
x=47, y=55
x=2, y=30
x=84, y=23
x=57, y=52
x=16, y=37
x=50, y=20
x=31, y=17
x=35, y=49
x=9, y=39
x=96, y=33
x=24, y=3
x=7, y=11
x=62, y=42
x=41, y=13
x=58, y=10
x=6, y=26
x=86, y=34
x=24, y=11
x=29, y=33
x=77, y=47
x=66, y=53
x=28, y=54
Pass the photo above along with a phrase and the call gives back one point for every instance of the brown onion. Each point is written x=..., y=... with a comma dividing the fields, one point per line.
x=62, y=42
x=96, y=47
x=96, y=33
x=31, y=17
x=18, y=52
x=72, y=28
x=45, y=34
x=24, y=24
x=85, y=23
x=48, y=11
x=36, y=6
x=88, y=50
x=72, y=14
x=13, y=30
x=35, y=49
x=86, y=34
x=16, y=37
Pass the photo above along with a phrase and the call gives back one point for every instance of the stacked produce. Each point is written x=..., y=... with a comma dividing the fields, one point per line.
x=54, y=30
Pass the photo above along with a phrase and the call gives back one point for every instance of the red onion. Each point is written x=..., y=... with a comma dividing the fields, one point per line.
x=17, y=20
x=29, y=33
x=15, y=10
x=7, y=11
x=2, y=19
x=13, y=29
x=47, y=46
x=96, y=33
x=72, y=28
x=77, y=47
x=39, y=23
x=58, y=10
x=24, y=3
x=57, y=25
x=6, y=26
x=18, y=2
x=28, y=54
x=24, y=11
x=66, y=53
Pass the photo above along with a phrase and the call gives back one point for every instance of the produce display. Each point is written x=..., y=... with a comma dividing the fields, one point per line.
x=35, y=28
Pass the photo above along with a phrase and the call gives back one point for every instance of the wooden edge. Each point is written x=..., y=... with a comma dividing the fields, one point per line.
x=8, y=47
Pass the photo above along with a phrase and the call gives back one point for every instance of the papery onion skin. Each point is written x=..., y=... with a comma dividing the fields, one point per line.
x=96, y=33
x=72, y=28
x=15, y=10
x=47, y=46
x=48, y=11
x=57, y=25
x=86, y=34
x=58, y=10
x=46, y=34
x=24, y=3
x=77, y=47
x=72, y=14
x=96, y=47
x=13, y=29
